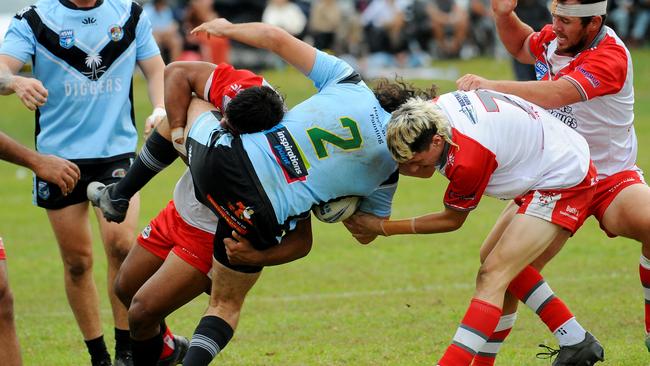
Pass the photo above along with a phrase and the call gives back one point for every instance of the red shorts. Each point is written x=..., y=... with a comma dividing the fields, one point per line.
x=3, y=254
x=607, y=189
x=169, y=232
x=566, y=207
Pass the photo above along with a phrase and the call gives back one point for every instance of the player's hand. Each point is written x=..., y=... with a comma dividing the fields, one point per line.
x=240, y=251
x=153, y=120
x=503, y=7
x=472, y=82
x=363, y=227
x=61, y=172
x=213, y=27
x=30, y=91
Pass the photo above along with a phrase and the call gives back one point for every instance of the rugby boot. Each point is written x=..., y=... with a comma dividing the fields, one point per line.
x=181, y=344
x=102, y=362
x=647, y=341
x=123, y=358
x=114, y=210
x=585, y=353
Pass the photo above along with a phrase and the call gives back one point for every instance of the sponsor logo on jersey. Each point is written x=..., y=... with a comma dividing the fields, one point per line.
x=116, y=32
x=287, y=154
x=43, y=190
x=570, y=212
x=66, y=38
x=119, y=173
x=545, y=199
x=540, y=69
x=24, y=10
x=462, y=197
x=565, y=114
x=89, y=21
x=590, y=77
x=229, y=213
x=466, y=106
x=146, y=232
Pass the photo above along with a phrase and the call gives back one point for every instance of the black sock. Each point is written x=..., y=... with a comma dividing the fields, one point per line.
x=210, y=337
x=155, y=156
x=147, y=352
x=122, y=340
x=97, y=349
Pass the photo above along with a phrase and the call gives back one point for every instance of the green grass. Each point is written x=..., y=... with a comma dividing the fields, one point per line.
x=395, y=302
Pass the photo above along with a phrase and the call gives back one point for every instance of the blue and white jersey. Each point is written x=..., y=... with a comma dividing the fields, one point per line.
x=331, y=145
x=85, y=57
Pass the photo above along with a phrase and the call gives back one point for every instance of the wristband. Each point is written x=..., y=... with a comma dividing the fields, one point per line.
x=381, y=226
x=158, y=112
x=413, y=226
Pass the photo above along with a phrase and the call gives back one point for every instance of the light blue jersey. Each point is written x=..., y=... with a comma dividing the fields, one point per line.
x=331, y=145
x=85, y=57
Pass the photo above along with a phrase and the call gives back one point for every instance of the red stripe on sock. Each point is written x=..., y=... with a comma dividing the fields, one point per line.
x=483, y=361
x=455, y=356
x=167, y=350
x=524, y=282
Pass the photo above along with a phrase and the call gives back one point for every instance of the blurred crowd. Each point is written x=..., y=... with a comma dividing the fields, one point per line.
x=372, y=33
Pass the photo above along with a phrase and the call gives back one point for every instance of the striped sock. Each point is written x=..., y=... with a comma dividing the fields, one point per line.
x=480, y=319
x=644, y=274
x=210, y=337
x=486, y=356
x=530, y=288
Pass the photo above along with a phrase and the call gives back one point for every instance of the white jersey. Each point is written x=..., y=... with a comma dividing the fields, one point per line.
x=193, y=212
x=506, y=147
x=603, y=75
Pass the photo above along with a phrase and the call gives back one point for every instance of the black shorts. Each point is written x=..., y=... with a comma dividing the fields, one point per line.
x=49, y=195
x=225, y=181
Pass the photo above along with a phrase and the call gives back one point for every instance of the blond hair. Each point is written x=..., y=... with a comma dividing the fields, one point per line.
x=412, y=126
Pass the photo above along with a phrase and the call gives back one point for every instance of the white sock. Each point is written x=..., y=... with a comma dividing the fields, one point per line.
x=570, y=333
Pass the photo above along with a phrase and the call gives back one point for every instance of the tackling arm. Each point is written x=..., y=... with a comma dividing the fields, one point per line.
x=437, y=222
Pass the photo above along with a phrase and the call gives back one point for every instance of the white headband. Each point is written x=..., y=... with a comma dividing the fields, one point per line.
x=578, y=10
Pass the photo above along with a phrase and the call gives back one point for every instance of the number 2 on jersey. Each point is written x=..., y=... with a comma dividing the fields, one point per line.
x=320, y=136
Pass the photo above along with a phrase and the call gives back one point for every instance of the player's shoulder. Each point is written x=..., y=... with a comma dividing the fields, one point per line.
x=123, y=6
x=31, y=9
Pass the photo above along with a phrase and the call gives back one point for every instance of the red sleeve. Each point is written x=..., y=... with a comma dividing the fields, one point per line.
x=469, y=170
x=227, y=82
x=537, y=40
x=601, y=71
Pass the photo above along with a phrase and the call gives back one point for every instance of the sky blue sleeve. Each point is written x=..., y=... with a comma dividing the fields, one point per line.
x=379, y=202
x=328, y=69
x=19, y=41
x=145, y=43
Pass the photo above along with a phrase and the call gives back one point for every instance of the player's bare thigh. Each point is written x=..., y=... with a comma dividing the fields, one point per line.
x=629, y=213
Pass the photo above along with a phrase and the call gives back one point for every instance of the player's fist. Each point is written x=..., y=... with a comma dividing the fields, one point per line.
x=30, y=91
x=503, y=7
x=472, y=82
x=214, y=27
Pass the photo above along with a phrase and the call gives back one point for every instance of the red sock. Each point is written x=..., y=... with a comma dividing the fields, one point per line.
x=480, y=319
x=168, y=343
x=644, y=274
x=530, y=288
x=487, y=355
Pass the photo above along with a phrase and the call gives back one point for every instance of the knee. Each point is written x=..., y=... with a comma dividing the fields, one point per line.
x=6, y=304
x=490, y=277
x=122, y=290
x=143, y=316
x=78, y=265
x=175, y=70
x=119, y=250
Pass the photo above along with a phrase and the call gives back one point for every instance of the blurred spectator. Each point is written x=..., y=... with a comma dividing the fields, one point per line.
x=165, y=29
x=536, y=14
x=324, y=20
x=449, y=21
x=349, y=34
x=483, y=30
x=640, y=23
x=202, y=47
x=619, y=16
x=383, y=22
x=286, y=15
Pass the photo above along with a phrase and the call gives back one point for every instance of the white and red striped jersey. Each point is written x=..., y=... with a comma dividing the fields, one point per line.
x=226, y=82
x=506, y=147
x=602, y=74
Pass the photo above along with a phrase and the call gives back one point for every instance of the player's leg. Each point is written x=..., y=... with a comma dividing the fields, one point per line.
x=72, y=231
x=118, y=240
x=176, y=283
x=9, y=348
x=628, y=215
x=524, y=239
x=216, y=328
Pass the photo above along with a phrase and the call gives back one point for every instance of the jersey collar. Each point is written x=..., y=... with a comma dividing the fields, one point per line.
x=71, y=5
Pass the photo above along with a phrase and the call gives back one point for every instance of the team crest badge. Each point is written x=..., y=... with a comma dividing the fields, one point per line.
x=66, y=38
x=43, y=190
x=116, y=33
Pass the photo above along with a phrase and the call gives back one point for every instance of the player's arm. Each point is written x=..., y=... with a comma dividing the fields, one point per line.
x=153, y=69
x=29, y=90
x=547, y=94
x=437, y=222
x=512, y=31
x=61, y=172
x=294, y=245
x=296, y=52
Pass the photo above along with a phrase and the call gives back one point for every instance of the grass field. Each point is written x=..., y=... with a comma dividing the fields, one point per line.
x=395, y=302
